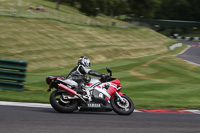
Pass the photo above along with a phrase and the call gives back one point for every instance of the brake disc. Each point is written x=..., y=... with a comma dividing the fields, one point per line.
x=125, y=105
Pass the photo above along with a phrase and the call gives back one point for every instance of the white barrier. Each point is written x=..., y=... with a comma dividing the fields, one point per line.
x=179, y=37
x=196, y=38
x=185, y=38
x=175, y=46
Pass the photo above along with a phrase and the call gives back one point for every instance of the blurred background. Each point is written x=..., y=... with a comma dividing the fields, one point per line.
x=129, y=36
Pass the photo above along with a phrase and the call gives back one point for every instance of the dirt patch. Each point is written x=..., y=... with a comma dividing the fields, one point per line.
x=148, y=63
x=143, y=76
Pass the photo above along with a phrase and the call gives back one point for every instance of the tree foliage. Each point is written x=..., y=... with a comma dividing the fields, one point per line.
x=179, y=10
x=194, y=13
x=144, y=8
x=173, y=9
x=107, y=7
x=148, y=9
x=89, y=7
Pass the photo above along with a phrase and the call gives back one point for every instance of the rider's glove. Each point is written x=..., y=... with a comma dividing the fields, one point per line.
x=105, y=76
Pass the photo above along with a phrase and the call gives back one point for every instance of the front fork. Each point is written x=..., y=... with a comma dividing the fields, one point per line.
x=120, y=98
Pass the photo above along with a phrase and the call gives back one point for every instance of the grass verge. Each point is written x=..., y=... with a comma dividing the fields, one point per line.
x=150, y=75
x=153, y=82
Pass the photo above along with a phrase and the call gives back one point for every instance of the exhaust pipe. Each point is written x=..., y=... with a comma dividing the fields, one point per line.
x=70, y=91
x=67, y=89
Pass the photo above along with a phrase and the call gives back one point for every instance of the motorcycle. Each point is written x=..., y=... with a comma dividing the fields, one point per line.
x=95, y=95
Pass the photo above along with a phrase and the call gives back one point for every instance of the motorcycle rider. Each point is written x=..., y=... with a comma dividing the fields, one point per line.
x=78, y=73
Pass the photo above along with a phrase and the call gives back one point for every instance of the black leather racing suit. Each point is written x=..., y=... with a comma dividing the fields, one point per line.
x=78, y=74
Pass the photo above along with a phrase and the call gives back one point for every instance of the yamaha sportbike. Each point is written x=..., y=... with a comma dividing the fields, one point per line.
x=95, y=95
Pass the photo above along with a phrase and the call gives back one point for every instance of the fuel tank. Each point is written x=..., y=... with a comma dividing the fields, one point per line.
x=94, y=81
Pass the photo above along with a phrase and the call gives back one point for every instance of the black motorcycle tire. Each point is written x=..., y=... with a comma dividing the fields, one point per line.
x=61, y=108
x=118, y=109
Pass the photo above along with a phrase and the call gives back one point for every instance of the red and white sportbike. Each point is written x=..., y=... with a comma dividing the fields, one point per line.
x=96, y=95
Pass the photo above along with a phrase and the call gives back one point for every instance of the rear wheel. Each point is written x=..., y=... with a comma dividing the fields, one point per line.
x=121, y=108
x=62, y=105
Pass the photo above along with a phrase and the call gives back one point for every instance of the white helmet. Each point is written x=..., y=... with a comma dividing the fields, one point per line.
x=85, y=61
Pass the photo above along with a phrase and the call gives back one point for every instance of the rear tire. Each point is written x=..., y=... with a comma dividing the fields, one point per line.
x=120, y=108
x=66, y=106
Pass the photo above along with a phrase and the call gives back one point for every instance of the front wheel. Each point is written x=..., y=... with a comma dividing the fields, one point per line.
x=121, y=108
x=62, y=105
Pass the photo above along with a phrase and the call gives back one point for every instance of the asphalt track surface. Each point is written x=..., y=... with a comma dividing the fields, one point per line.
x=46, y=120
x=192, y=54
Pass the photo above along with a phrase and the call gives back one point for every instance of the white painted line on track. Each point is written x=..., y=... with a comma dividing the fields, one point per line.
x=191, y=62
x=36, y=105
x=194, y=111
x=183, y=51
x=25, y=104
x=136, y=110
x=42, y=105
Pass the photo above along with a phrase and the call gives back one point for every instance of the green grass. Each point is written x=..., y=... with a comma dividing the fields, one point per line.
x=174, y=84
x=159, y=81
x=138, y=56
x=65, y=13
x=56, y=45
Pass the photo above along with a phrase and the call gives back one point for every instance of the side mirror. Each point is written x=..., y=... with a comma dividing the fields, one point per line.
x=109, y=71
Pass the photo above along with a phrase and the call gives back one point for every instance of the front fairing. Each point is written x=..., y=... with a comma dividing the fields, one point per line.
x=107, y=88
x=115, y=81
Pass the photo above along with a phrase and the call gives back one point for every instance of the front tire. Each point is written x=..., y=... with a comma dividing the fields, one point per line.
x=120, y=108
x=61, y=105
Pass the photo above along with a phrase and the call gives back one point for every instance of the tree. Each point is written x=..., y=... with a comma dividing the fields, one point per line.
x=144, y=8
x=58, y=4
x=89, y=7
x=72, y=2
x=194, y=14
x=173, y=10
x=116, y=7
x=111, y=7
x=102, y=5
x=108, y=7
